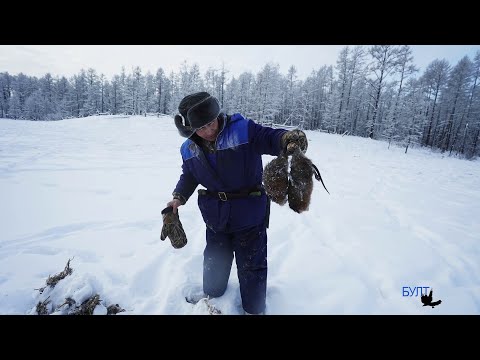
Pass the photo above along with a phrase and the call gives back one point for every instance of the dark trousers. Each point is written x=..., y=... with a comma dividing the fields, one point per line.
x=250, y=249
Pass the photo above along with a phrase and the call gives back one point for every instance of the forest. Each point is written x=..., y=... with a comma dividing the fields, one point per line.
x=375, y=92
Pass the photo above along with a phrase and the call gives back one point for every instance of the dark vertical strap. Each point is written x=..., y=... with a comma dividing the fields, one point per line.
x=267, y=213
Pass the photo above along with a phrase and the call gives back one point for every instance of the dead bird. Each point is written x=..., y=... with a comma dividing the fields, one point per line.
x=300, y=185
x=275, y=178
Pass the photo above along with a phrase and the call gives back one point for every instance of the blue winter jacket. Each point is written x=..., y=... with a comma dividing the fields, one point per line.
x=235, y=166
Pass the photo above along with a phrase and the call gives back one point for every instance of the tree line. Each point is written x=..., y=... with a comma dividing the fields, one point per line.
x=374, y=92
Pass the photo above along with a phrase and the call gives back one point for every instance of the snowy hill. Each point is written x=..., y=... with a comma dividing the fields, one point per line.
x=92, y=189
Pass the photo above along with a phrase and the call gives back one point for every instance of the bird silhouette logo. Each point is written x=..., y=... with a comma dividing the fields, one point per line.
x=427, y=300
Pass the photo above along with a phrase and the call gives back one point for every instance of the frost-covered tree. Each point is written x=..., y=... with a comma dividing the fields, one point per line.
x=210, y=80
x=469, y=110
x=149, y=93
x=160, y=91
x=5, y=93
x=472, y=137
x=63, y=94
x=359, y=105
x=328, y=93
x=231, y=95
x=140, y=90
x=189, y=79
x=23, y=88
x=435, y=79
x=102, y=83
x=168, y=103
x=114, y=95
x=91, y=105
x=290, y=90
x=384, y=63
x=405, y=69
x=47, y=91
x=246, y=94
x=339, y=96
x=134, y=92
x=34, y=109
x=356, y=72
x=223, y=80
x=455, y=99
x=267, y=94
x=410, y=126
x=123, y=92
x=318, y=86
x=80, y=93
x=15, y=109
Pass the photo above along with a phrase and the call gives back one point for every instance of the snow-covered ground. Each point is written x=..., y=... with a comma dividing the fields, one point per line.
x=92, y=189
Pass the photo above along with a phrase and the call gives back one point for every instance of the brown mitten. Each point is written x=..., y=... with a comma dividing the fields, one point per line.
x=293, y=139
x=173, y=229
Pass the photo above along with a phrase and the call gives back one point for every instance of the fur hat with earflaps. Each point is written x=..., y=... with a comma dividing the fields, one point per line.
x=196, y=110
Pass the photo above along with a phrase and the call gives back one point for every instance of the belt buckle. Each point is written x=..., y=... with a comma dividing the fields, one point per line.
x=222, y=196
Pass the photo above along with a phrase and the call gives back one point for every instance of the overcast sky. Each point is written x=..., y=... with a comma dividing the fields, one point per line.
x=67, y=60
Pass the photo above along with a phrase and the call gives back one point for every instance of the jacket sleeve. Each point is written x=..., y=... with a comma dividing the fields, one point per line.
x=265, y=140
x=186, y=185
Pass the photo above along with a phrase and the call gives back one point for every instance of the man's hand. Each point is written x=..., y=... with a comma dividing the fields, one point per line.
x=292, y=140
x=172, y=228
x=175, y=203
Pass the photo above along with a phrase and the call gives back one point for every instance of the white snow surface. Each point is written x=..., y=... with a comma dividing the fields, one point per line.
x=92, y=190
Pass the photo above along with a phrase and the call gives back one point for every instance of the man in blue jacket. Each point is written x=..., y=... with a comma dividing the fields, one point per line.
x=223, y=153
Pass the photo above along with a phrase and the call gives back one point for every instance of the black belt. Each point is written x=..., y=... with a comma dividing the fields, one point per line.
x=225, y=196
